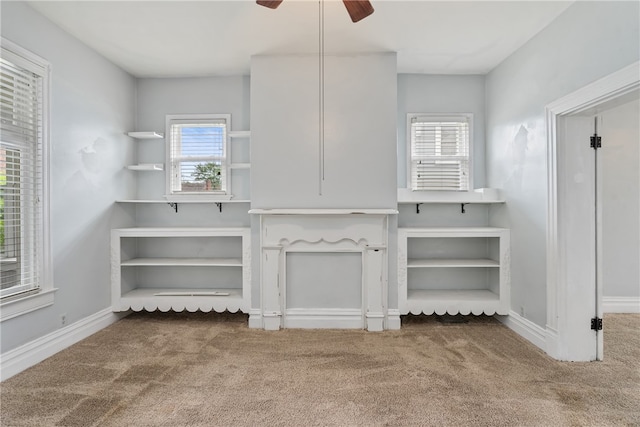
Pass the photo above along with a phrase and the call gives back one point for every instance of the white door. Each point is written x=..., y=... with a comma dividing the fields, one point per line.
x=599, y=194
x=577, y=203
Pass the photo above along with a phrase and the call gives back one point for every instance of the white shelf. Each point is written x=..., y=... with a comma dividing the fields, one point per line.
x=240, y=165
x=479, y=196
x=453, y=302
x=323, y=211
x=240, y=134
x=191, y=201
x=183, y=262
x=146, y=135
x=146, y=167
x=438, y=296
x=453, y=288
x=179, y=232
x=451, y=263
x=127, y=294
x=454, y=231
x=151, y=299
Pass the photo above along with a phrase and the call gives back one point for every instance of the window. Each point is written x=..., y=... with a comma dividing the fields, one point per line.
x=439, y=152
x=23, y=166
x=198, y=147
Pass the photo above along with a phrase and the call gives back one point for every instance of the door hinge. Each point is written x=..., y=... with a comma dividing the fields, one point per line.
x=596, y=324
x=596, y=141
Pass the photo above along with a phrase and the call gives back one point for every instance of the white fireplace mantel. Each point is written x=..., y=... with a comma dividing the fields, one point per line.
x=332, y=231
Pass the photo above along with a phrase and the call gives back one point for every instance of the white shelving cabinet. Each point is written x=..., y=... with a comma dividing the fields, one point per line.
x=149, y=269
x=453, y=270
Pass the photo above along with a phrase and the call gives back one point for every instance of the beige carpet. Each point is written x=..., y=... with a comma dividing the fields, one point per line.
x=211, y=370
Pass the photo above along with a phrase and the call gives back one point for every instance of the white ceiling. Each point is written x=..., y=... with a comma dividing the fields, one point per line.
x=203, y=38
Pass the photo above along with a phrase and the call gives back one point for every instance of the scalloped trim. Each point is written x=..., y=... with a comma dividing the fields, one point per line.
x=179, y=307
x=465, y=311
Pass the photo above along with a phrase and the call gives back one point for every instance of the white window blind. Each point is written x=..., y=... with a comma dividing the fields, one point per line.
x=21, y=173
x=439, y=153
x=198, y=155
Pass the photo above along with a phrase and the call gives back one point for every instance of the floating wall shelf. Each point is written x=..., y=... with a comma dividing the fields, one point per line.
x=146, y=167
x=146, y=135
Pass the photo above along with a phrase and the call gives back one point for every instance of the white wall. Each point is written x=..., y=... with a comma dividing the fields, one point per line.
x=426, y=93
x=92, y=106
x=620, y=173
x=588, y=41
x=360, y=132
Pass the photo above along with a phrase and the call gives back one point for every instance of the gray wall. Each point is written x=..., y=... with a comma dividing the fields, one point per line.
x=360, y=132
x=208, y=95
x=620, y=173
x=92, y=106
x=588, y=41
x=425, y=93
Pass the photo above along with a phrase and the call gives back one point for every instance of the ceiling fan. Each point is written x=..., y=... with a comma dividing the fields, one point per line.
x=358, y=9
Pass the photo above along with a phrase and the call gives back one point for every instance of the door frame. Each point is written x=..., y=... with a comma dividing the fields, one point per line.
x=559, y=327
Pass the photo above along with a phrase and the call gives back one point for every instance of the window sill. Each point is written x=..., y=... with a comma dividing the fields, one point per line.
x=18, y=307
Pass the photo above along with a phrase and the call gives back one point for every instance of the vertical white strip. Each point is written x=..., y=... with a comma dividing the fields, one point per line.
x=598, y=244
x=321, y=94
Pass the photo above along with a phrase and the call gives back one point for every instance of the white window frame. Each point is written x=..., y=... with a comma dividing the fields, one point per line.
x=43, y=296
x=440, y=116
x=224, y=194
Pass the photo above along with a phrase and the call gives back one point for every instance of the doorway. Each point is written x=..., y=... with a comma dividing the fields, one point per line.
x=602, y=155
x=574, y=228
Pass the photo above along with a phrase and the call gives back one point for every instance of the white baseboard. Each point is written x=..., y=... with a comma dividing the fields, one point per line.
x=393, y=319
x=528, y=330
x=621, y=304
x=255, y=318
x=329, y=318
x=17, y=360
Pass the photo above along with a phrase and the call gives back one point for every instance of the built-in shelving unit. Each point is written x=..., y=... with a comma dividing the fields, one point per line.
x=178, y=268
x=454, y=270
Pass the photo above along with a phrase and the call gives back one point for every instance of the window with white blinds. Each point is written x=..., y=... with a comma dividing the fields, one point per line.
x=440, y=152
x=198, y=147
x=23, y=85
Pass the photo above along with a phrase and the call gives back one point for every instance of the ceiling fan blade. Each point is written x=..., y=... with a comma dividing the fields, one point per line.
x=271, y=4
x=358, y=9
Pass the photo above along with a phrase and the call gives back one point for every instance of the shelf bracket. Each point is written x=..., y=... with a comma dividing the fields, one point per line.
x=462, y=210
x=418, y=207
x=219, y=205
x=174, y=205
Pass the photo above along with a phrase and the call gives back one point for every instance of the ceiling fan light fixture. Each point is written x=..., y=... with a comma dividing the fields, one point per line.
x=358, y=9
x=271, y=4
